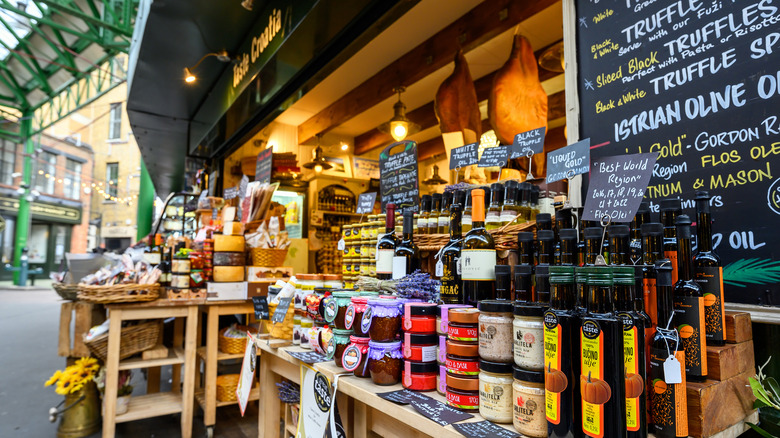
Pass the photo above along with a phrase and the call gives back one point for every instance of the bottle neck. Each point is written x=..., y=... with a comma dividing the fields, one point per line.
x=620, y=251
x=477, y=212
x=704, y=231
x=562, y=297
x=408, y=227
x=592, y=250
x=390, y=221
x=600, y=299
x=625, y=297
x=526, y=252
x=668, y=218
x=653, y=249
x=684, y=259
x=455, y=228
x=665, y=303
x=568, y=252
x=523, y=287
x=546, y=252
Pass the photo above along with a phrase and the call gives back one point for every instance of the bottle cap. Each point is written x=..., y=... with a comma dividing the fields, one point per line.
x=652, y=229
x=545, y=235
x=618, y=230
x=525, y=236
x=623, y=275
x=644, y=207
x=495, y=306
x=670, y=204
x=593, y=233
x=426, y=202
x=568, y=234
x=543, y=221
x=663, y=272
x=683, y=224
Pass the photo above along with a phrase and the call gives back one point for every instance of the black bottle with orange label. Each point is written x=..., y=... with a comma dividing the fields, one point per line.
x=709, y=273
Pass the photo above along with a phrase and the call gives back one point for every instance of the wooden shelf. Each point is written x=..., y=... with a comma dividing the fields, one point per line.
x=291, y=430
x=220, y=355
x=175, y=356
x=340, y=213
x=200, y=396
x=151, y=405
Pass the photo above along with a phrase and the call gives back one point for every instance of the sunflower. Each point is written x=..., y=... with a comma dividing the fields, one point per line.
x=53, y=379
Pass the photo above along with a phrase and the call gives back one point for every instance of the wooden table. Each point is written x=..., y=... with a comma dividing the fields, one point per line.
x=154, y=403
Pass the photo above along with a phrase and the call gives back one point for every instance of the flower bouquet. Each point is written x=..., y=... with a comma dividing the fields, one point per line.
x=75, y=376
x=124, y=389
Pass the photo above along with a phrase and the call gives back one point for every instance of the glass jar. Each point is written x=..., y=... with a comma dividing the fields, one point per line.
x=355, y=314
x=314, y=304
x=372, y=249
x=372, y=268
x=420, y=348
x=495, y=391
x=364, y=251
x=419, y=318
x=317, y=280
x=341, y=341
x=384, y=362
x=382, y=319
x=495, y=330
x=355, y=357
x=371, y=226
x=332, y=281
x=335, y=308
x=419, y=376
x=180, y=265
x=528, y=336
x=529, y=403
x=306, y=282
x=442, y=317
x=364, y=266
x=346, y=232
x=462, y=358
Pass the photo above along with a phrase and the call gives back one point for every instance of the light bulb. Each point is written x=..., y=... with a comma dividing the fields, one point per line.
x=344, y=146
x=399, y=130
x=188, y=76
x=318, y=168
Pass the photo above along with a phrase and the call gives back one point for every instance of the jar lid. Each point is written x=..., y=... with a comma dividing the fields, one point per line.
x=384, y=302
x=494, y=367
x=463, y=349
x=304, y=276
x=495, y=306
x=420, y=309
x=359, y=340
x=464, y=315
x=527, y=375
x=420, y=339
x=369, y=293
x=392, y=345
x=463, y=383
x=529, y=309
x=331, y=277
x=316, y=276
x=357, y=299
x=421, y=367
x=343, y=293
x=444, y=308
x=340, y=332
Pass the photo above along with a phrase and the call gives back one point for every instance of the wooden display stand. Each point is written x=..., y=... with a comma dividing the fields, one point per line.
x=85, y=316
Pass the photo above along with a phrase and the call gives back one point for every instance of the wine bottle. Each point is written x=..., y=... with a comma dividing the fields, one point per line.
x=465, y=223
x=385, y=248
x=493, y=216
x=443, y=220
x=567, y=256
x=425, y=213
x=689, y=306
x=619, y=247
x=709, y=273
x=407, y=255
x=670, y=209
x=503, y=282
x=451, y=291
x=510, y=209
x=642, y=217
x=165, y=268
x=478, y=256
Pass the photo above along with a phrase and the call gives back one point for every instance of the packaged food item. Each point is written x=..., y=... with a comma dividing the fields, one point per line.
x=463, y=324
x=419, y=347
x=419, y=376
x=529, y=416
x=528, y=337
x=385, y=362
x=335, y=307
x=419, y=317
x=382, y=319
x=462, y=358
x=442, y=317
x=355, y=357
x=341, y=339
x=495, y=330
x=495, y=391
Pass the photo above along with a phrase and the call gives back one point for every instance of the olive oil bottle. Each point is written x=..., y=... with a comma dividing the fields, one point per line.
x=592, y=244
x=670, y=209
x=444, y=214
x=653, y=251
x=451, y=291
x=478, y=256
x=562, y=221
x=524, y=283
x=545, y=247
x=642, y=217
x=510, y=209
x=619, y=247
x=424, y=216
x=525, y=247
x=493, y=215
x=709, y=273
x=465, y=223
x=568, y=253
x=525, y=202
x=544, y=221
x=433, y=219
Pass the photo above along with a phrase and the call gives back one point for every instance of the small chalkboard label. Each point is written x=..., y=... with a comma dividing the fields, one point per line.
x=281, y=309
x=484, y=429
x=309, y=357
x=398, y=175
x=261, y=307
x=439, y=412
x=569, y=161
x=529, y=141
x=366, y=202
x=263, y=166
x=230, y=193
x=494, y=157
x=403, y=396
x=617, y=186
x=464, y=156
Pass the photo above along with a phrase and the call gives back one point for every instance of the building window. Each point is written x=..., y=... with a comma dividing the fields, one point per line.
x=115, y=121
x=7, y=161
x=72, y=179
x=47, y=173
x=112, y=175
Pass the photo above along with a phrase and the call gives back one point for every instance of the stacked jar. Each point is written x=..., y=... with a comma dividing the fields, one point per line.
x=355, y=357
x=180, y=274
x=442, y=322
x=528, y=388
x=208, y=256
x=462, y=359
x=382, y=320
x=496, y=357
x=419, y=346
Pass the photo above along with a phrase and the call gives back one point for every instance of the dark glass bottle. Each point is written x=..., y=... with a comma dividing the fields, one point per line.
x=444, y=214
x=545, y=247
x=433, y=219
x=165, y=267
x=459, y=197
x=525, y=247
x=478, y=256
x=524, y=283
x=385, y=248
x=542, y=284
x=425, y=214
x=689, y=306
x=592, y=244
x=642, y=217
x=709, y=273
x=670, y=209
x=534, y=201
x=503, y=282
x=653, y=251
x=493, y=215
x=562, y=221
x=510, y=210
x=465, y=223
x=619, y=249
x=543, y=221
x=524, y=193
x=407, y=255
x=451, y=292
x=568, y=252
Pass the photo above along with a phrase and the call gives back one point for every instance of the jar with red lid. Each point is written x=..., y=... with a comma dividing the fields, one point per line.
x=419, y=376
x=354, y=315
x=385, y=362
x=419, y=347
x=355, y=357
x=463, y=324
x=462, y=358
x=419, y=317
x=443, y=318
x=382, y=319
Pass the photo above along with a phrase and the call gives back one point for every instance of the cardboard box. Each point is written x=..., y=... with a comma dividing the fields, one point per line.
x=226, y=291
x=259, y=288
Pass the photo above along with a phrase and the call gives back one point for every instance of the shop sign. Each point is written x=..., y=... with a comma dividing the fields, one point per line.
x=316, y=400
x=569, y=161
x=56, y=213
x=257, y=46
x=398, y=169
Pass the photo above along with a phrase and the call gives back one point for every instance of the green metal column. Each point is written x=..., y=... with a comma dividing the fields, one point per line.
x=23, y=218
x=145, y=213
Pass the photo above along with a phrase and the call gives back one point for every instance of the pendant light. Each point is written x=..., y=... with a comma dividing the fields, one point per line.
x=435, y=179
x=318, y=163
x=399, y=127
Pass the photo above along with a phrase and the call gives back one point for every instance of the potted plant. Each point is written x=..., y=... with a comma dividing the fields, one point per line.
x=80, y=415
x=767, y=393
x=124, y=389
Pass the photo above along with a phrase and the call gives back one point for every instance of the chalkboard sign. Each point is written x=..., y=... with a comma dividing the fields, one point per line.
x=281, y=309
x=484, y=429
x=494, y=157
x=403, y=396
x=438, y=411
x=617, y=186
x=230, y=193
x=525, y=142
x=398, y=174
x=569, y=161
x=261, y=307
x=697, y=82
x=366, y=202
x=263, y=166
x=464, y=156
x=309, y=357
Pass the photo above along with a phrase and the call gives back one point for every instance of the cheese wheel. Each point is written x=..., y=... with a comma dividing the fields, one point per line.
x=225, y=243
x=227, y=274
x=233, y=228
x=229, y=259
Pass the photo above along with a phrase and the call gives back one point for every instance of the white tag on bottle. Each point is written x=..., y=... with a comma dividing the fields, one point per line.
x=399, y=267
x=672, y=373
x=341, y=245
x=439, y=269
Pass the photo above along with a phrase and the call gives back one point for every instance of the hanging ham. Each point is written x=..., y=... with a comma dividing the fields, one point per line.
x=456, y=104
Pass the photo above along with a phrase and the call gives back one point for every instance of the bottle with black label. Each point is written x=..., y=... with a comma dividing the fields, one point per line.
x=634, y=324
x=545, y=247
x=385, y=248
x=493, y=215
x=670, y=209
x=425, y=213
x=668, y=401
x=619, y=249
x=561, y=353
x=478, y=256
x=524, y=283
x=593, y=237
x=642, y=217
x=451, y=292
x=407, y=255
x=689, y=306
x=503, y=282
x=709, y=273
x=602, y=373
x=567, y=256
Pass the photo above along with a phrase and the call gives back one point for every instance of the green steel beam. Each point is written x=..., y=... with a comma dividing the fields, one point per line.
x=15, y=88
x=23, y=216
x=38, y=75
x=65, y=57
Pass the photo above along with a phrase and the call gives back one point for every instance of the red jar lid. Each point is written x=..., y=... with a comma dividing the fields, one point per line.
x=357, y=340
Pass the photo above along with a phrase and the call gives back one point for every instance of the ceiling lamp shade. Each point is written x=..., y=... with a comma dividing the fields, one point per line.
x=552, y=58
x=399, y=127
x=318, y=163
x=435, y=179
x=189, y=75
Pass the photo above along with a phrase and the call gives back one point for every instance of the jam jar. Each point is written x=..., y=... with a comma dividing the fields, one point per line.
x=419, y=376
x=355, y=357
x=385, y=361
x=335, y=308
x=341, y=340
x=382, y=319
x=419, y=317
x=354, y=315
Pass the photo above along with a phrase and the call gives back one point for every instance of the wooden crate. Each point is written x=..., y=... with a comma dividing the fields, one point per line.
x=716, y=406
x=738, y=327
x=84, y=316
x=730, y=360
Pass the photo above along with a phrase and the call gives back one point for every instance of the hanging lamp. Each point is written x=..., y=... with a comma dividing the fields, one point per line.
x=318, y=163
x=399, y=127
x=435, y=179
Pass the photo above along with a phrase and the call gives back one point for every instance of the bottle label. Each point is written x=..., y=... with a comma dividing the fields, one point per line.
x=478, y=264
x=399, y=267
x=492, y=217
x=555, y=381
x=594, y=390
x=636, y=251
x=507, y=216
x=153, y=258
x=450, y=279
x=444, y=222
x=422, y=223
x=689, y=319
x=672, y=256
x=668, y=403
x=651, y=300
x=635, y=383
x=466, y=220
x=384, y=261
x=710, y=279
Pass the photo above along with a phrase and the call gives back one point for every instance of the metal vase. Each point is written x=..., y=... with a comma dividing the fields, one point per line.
x=83, y=419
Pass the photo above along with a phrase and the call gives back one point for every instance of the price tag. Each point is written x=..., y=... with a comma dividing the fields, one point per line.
x=569, y=161
x=494, y=157
x=399, y=267
x=342, y=244
x=617, y=186
x=672, y=370
x=529, y=141
x=439, y=269
x=366, y=202
x=281, y=310
x=464, y=156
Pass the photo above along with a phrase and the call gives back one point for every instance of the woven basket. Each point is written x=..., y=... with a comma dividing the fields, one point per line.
x=119, y=293
x=505, y=237
x=226, y=387
x=66, y=291
x=270, y=258
x=134, y=339
x=234, y=345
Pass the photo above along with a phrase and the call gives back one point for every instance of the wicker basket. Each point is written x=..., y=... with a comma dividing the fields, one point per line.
x=280, y=330
x=66, y=291
x=234, y=345
x=134, y=339
x=119, y=293
x=270, y=258
x=226, y=387
x=505, y=237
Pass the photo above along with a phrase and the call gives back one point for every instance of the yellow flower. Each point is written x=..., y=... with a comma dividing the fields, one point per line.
x=86, y=362
x=63, y=387
x=53, y=379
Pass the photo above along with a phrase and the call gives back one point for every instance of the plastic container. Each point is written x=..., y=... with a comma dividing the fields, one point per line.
x=419, y=376
x=528, y=327
x=332, y=281
x=382, y=319
x=442, y=317
x=529, y=416
x=462, y=358
x=463, y=324
x=419, y=318
x=385, y=362
x=495, y=330
x=495, y=391
x=355, y=357
x=419, y=347
x=467, y=401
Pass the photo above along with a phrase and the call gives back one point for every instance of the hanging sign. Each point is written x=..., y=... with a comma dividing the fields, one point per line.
x=464, y=156
x=530, y=141
x=617, y=186
x=365, y=203
x=398, y=175
x=569, y=161
x=263, y=166
x=494, y=157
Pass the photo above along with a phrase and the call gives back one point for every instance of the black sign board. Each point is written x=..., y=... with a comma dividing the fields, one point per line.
x=366, y=202
x=525, y=142
x=617, y=186
x=261, y=307
x=281, y=309
x=494, y=157
x=403, y=396
x=464, y=156
x=569, y=161
x=309, y=357
x=398, y=174
x=705, y=97
x=484, y=429
x=263, y=166
x=230, y=193
x=439, y=412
